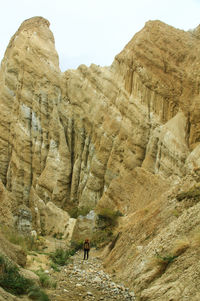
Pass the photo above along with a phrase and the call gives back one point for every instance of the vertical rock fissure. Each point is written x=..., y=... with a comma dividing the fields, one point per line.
x=188, y=127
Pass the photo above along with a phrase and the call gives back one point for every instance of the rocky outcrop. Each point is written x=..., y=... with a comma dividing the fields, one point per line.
x=117, y=137
x=68, y=136
x=30, y=87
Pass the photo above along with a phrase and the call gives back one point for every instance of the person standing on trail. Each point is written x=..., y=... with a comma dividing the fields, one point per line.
x=86, y=248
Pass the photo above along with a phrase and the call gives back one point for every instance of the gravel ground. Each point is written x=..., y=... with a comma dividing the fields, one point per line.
x=86, y=280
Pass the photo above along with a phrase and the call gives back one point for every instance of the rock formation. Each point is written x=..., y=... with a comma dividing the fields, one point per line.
x=124, y=137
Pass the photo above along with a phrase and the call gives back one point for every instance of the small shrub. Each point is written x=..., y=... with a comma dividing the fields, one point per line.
x=45, y=280
x=159, y=264
x=77, y=211
x=58, y=235
x=164, y=261
x=107, y=217
x=73, y=212
x=119, y=213
x=167, y=258
x=55, y=267
x=60, y=256
x=35, y=293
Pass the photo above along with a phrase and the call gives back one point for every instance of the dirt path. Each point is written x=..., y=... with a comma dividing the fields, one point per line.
x=86, y=280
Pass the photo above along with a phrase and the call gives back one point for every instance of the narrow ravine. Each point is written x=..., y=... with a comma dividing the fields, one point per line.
x=86, y=280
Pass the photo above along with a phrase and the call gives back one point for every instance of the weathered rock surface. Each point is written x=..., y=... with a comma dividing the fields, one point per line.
x=12, y=251
x=121, y=137
x=161, y=231
x=84, y=227
x=70, y=135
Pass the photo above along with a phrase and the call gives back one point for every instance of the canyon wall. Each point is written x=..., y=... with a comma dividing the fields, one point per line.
x=118, y=137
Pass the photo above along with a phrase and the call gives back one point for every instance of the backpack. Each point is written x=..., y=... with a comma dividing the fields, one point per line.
x=86, y=245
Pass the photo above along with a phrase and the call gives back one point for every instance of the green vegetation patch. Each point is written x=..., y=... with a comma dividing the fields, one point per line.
x=58, y=235
x=35, y=293
x=77, y=211
x=108, y=217
x=45, y=280
x=10, y=278
x=166, y=259
x=55, y=267
x=62, y=256
x=13, y=282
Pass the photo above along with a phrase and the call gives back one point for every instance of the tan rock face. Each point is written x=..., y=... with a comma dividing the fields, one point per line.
x=70, y=135
x=163, y=62
x=56, y=221
x=5, y=205
x=30, y=89
x=115, y=137
x=84, y=227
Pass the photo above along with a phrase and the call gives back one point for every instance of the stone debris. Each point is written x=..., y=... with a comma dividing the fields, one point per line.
x=86, y=280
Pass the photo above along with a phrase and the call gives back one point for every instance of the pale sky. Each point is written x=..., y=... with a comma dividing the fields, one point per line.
x=94, y=31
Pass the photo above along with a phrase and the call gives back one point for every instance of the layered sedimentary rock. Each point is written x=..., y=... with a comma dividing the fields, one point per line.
x=69, y=135
x=115, y=137
x=30, y=88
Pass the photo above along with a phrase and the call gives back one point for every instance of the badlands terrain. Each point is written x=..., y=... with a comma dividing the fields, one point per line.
x=109, y=153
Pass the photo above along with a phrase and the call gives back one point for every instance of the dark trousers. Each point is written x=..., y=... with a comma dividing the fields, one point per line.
x=86, y=253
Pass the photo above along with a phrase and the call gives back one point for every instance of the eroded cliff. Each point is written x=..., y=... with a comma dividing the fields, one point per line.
x=123, y=137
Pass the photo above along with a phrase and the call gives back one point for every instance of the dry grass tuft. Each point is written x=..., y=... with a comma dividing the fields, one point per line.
x=180, y=246
x=157, y=266
x=195, y=238
x=27, y=243
x=193, y=193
